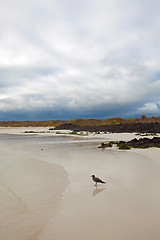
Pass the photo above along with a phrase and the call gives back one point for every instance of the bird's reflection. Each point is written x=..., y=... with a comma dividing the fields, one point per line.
x=97, y=190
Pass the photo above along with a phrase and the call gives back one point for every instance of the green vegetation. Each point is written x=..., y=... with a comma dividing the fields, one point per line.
x=130, y=120
x=29, y=132
x=115, y=122
x=36, y=132
x=106, y=145
x=143, y=147
x=124, y=146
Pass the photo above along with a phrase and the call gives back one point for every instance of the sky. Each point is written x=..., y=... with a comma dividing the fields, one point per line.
x=67, y=59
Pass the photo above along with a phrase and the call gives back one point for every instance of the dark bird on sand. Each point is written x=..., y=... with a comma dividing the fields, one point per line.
x=97, y=180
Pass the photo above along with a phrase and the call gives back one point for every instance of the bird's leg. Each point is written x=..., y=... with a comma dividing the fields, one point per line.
x=96, y=184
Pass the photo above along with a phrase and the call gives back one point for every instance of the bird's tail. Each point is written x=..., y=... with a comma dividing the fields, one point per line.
x=103, y=182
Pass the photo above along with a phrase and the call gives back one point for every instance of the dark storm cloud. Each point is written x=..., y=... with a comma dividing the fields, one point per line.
x=79, y=59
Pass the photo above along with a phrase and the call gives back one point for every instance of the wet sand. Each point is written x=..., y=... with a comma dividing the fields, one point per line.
x=34, y=206
x=31, y=192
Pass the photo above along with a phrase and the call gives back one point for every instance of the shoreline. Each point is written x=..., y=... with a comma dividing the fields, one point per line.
x=101, y=136
x=31, y=192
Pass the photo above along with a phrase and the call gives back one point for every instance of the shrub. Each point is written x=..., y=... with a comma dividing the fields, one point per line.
x=104, y=145
x=109, y=144
x=125, y=147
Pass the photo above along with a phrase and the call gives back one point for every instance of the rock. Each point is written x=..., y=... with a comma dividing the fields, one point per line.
x=120, y=128
x=143, y=142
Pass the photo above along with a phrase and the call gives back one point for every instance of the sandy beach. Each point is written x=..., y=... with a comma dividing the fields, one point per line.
x=46, y=191
x=31, y=191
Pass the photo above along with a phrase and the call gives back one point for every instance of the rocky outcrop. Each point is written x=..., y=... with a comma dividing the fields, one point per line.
x=134, y=143
x=144, y=142
x=119, y=128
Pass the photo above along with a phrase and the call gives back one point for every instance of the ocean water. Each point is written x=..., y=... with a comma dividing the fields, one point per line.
x=126, y=207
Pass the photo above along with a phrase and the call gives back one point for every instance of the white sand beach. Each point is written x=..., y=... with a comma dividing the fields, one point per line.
x=46, y=191
x=31, y=192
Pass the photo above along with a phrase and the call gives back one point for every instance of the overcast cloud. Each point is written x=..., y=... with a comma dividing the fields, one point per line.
x=79, y=59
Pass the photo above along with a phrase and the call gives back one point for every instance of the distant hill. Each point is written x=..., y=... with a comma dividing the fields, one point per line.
x=49, y=123
x=80, y=122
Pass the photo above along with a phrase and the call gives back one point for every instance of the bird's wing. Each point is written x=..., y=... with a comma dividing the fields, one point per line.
x=98, y=179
